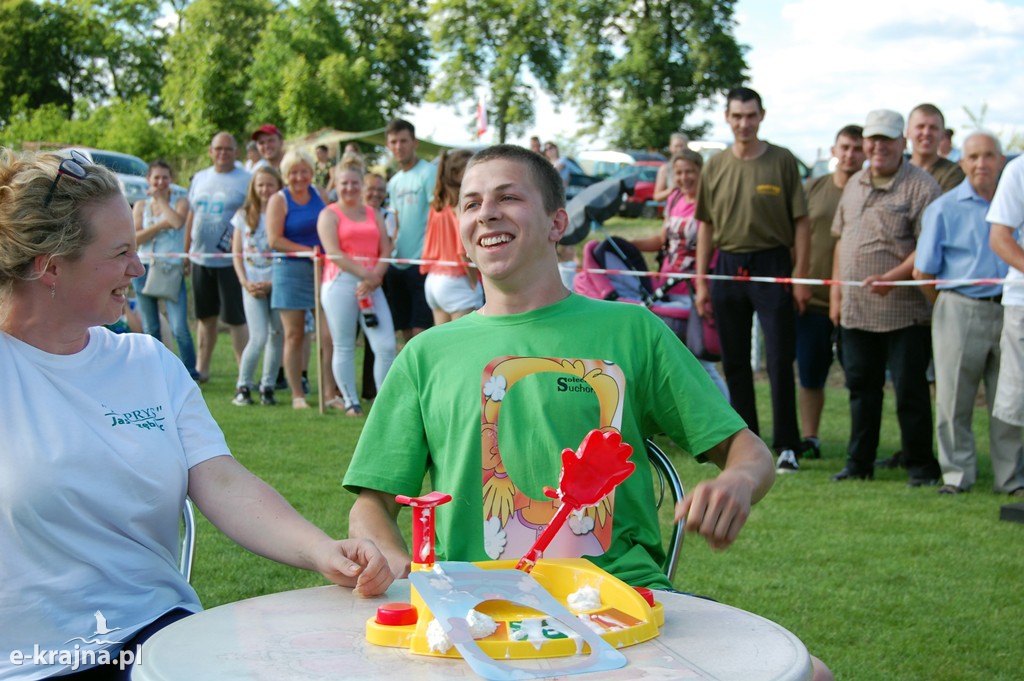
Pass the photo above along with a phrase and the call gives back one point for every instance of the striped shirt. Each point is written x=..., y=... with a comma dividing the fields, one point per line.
x=878, y=229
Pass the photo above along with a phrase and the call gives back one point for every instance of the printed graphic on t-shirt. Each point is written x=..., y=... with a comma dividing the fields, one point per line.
x=581, y=394
x=213, y=232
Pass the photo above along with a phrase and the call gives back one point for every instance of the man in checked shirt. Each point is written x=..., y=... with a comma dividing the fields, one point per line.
x=877, y=224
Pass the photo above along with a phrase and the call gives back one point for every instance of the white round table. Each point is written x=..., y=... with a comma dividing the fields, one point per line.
x=318, y=633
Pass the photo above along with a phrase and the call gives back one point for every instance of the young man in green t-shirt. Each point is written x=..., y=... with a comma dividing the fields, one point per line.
x=552, y=366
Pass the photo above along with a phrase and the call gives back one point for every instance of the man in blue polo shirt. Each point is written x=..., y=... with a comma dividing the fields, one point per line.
x=967, y=320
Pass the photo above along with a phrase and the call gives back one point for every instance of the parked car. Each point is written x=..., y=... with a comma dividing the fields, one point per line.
x=131, y=172
x=641, y=202
x=604, y=164
x=578, y=179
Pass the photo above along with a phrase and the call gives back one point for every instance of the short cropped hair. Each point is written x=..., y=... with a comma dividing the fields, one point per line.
x=930, y=110
x=545, y=177
x=743, y=94
x=679, y=136
x=984, y=133
x=29, y=229
x=854, y=131
x=397, y=125
x=294, y=158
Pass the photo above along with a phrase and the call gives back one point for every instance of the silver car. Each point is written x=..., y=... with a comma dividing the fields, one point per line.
x=131, y=172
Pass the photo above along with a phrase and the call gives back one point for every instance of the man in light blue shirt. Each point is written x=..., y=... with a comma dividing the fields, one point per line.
x=411, y=190
x=967, y=321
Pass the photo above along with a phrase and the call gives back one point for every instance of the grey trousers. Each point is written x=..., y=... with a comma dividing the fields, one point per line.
x=965, y=345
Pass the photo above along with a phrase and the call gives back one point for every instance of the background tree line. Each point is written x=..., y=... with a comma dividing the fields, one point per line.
x=159, y=78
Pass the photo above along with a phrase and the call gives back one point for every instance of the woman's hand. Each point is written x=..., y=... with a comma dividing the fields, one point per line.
x=370, y=283
x=356, y=563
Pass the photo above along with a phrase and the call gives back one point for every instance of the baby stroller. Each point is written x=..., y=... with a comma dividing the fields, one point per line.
x=616, y=253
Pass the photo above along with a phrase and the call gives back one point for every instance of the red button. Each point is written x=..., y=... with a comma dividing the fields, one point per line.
x=645, y=592
x=396, y=614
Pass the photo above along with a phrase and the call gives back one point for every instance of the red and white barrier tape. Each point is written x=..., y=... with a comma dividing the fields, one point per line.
x=628, y=273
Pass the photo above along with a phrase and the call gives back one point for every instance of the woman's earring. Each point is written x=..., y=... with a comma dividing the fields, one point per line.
x=53, y=291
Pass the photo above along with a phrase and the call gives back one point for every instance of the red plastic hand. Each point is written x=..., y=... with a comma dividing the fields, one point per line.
x=594, y=470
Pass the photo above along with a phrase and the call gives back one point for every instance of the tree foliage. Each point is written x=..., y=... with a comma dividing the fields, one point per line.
x=86, y=51
x=499, y=44
x=649, y=64
x=208, y=67
x=320, y=66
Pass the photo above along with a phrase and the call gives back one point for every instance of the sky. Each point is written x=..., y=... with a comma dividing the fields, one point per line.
x=822, y=64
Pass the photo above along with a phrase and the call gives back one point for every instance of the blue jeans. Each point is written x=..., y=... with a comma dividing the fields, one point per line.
x=177, y=315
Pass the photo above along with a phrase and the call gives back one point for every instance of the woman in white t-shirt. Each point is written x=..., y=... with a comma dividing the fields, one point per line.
x=103, y=437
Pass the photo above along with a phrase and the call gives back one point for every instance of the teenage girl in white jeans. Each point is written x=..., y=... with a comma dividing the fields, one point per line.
x=354, y=238
x=254, y=267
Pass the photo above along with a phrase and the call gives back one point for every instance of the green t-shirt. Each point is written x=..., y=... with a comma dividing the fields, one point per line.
x=552, y=375
x=822, y=201
x=949, y=175
x=752, y=204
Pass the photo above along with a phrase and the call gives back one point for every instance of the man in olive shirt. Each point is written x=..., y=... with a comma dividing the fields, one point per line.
x=877, y=223
x=926, y=129
x=753, y=204
x=814, y=330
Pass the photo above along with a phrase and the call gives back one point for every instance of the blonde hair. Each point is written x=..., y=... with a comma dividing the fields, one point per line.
x=253, y=202
x=29, y=229
x=294, y=158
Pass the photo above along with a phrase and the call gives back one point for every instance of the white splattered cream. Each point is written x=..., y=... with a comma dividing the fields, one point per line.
x=583, y=599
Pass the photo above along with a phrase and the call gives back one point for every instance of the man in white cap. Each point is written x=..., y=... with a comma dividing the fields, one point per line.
x=877, y=224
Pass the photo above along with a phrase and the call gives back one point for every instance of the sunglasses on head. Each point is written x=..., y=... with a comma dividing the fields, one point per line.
x=72, y=167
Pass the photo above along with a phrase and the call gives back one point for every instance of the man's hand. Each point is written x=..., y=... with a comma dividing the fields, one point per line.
x=801, y=294
x=702, y=301
x=717, y=509
x=869, y=283
x=835, y=304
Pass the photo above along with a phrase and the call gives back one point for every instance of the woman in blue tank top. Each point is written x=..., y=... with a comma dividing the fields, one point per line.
x=291, y=228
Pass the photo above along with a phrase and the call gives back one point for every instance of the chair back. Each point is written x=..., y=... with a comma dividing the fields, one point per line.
x=188, y=540
x=668, y=478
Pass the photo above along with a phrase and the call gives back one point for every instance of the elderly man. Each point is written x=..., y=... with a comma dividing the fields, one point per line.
x=967, y=320
x=926, y=129
x=1007, y=218
x=664, y=182
x=213, y=197
x=877, y=223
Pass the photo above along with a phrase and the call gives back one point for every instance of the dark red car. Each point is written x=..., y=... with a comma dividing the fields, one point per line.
x=641, y=202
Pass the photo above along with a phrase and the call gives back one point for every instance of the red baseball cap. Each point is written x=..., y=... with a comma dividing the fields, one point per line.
x=267, y=129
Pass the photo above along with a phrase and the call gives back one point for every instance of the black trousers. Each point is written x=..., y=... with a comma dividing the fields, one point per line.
x=907, y=352
x=734, y=304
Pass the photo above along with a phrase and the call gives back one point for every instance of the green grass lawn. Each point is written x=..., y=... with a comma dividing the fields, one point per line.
x=879, y=580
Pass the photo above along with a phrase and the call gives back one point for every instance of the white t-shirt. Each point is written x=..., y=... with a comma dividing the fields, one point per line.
x=95, y=449
x=1008, y=209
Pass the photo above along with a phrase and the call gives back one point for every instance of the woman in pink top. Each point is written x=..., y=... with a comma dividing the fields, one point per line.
x=679, y=237
x=451, y=290
x=354, y=239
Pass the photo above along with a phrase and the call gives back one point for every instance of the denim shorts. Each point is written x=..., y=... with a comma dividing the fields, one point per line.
x=292, y=284
x=814, y=337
